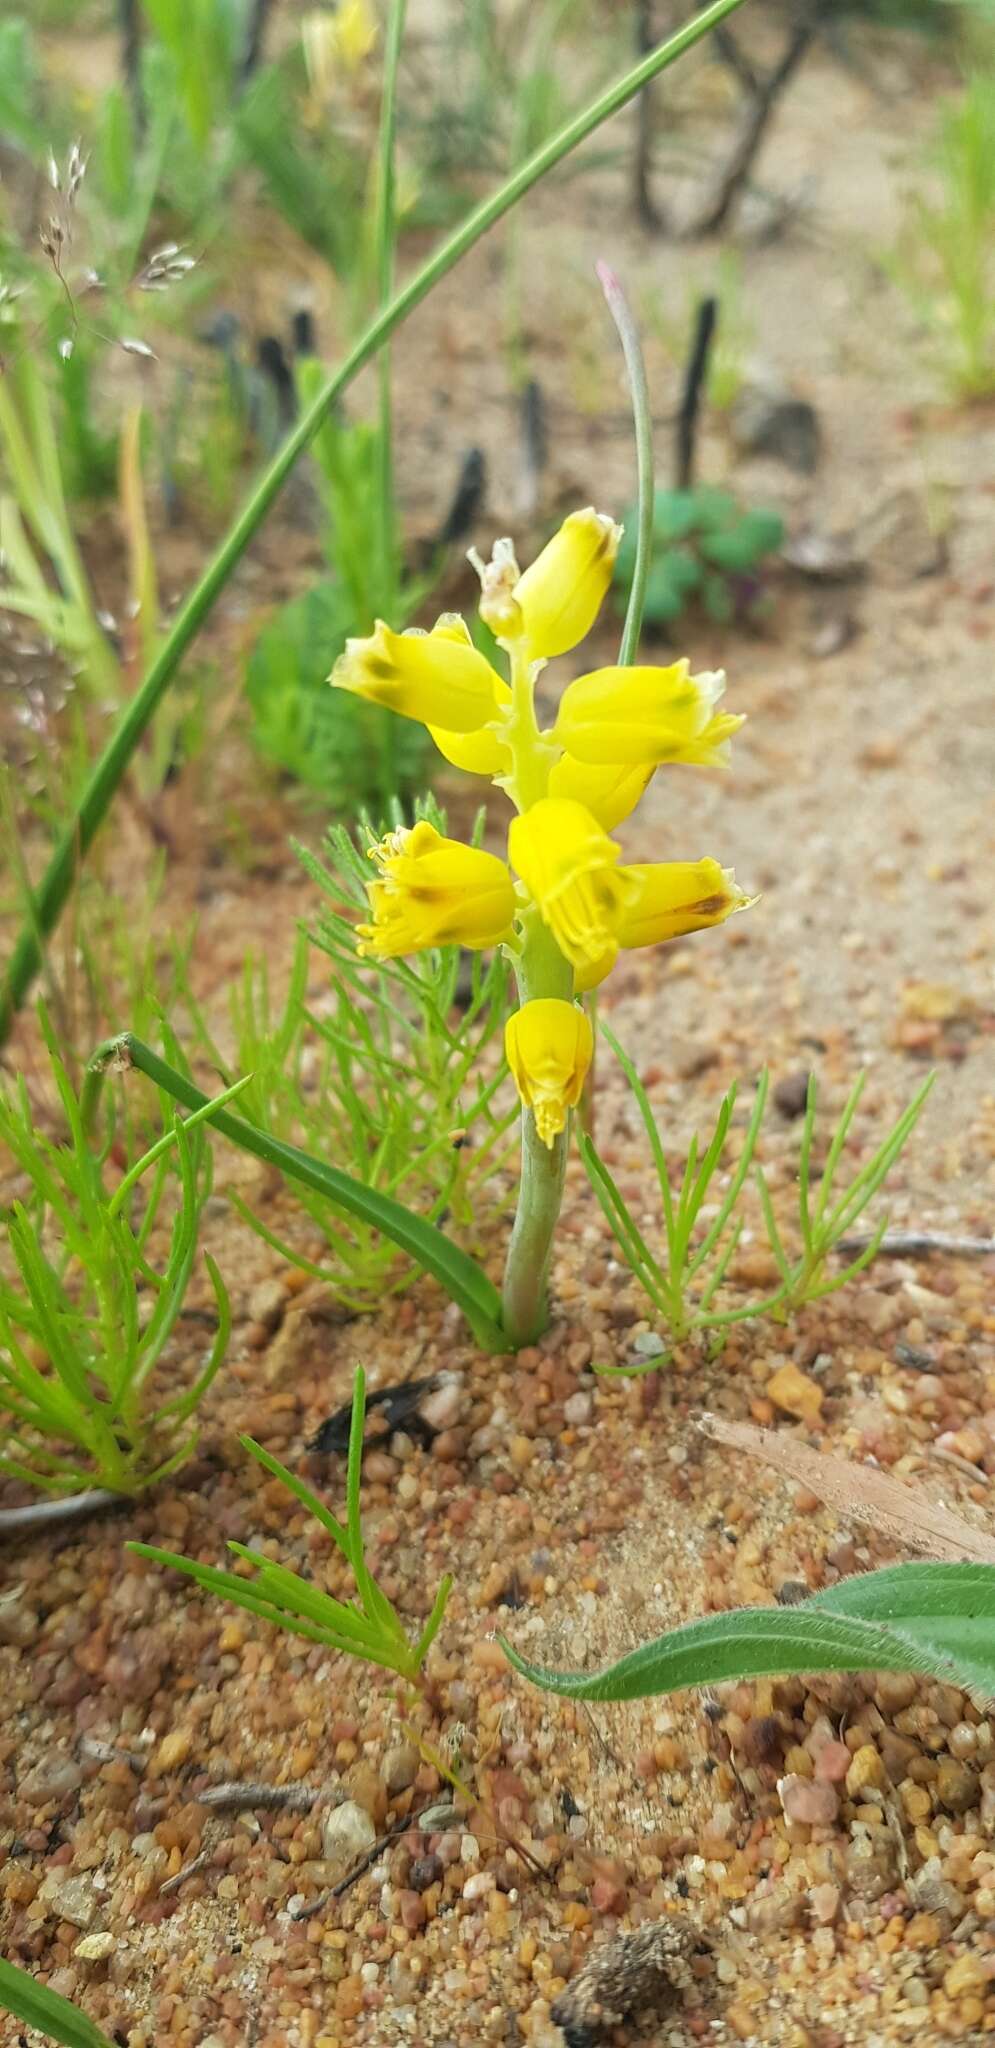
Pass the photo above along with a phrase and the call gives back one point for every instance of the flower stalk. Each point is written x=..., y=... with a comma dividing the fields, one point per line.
x=562, y=904
x=541, y=972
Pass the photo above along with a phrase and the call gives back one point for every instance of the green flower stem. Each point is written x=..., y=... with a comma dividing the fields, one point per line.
x=82, y=828
x=540, y=970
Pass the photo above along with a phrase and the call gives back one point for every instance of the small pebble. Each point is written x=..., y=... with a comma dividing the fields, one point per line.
x=400, y=1767
x=55, y=1776
x=95, y=1948
x=793, y=1391
x=347, y=1833
x=812, y=1801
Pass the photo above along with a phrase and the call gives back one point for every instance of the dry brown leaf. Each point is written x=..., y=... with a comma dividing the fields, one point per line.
x=906, y=1514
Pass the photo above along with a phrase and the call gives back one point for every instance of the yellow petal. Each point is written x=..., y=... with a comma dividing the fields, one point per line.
x=668, y=900
x=569, y=866
x=549, y=1044
x=560, y=595
x=438, y=677
x=645, y=716
x=678, y=896
x=433, y=891
x=610, y=793
x=477, y=753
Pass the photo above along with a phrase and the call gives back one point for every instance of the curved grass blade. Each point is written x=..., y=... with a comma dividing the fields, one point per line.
x=53, y=2016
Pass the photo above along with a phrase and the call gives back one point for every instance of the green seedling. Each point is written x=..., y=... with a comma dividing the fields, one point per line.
x=827, y=1216
x=367, y=1627
x=707, y=550
x=85, y=1314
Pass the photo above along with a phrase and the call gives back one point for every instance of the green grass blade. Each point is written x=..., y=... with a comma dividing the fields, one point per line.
x=55, y=2017
x=308, y=1500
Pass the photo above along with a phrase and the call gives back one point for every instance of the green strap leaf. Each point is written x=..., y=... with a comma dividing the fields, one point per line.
x=53, y=2016
x=933, y=1618
x=461, y=1277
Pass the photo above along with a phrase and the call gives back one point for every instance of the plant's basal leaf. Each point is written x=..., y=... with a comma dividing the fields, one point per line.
x=915, y=1592
x=937, y=1619
x=752, y=1642
x=53, y=2016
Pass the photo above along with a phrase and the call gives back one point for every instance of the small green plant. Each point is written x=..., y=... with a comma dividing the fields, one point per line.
x=708, y=550
x=369, y=1627
x=683, y=1287
x=36, y=530
x=85, y=1316
x=54, y=2016
x=829, y=1216
x=394, y=1073
x=43, y=578
x=701, y=1235
x=944, y=262
x=931, y=1618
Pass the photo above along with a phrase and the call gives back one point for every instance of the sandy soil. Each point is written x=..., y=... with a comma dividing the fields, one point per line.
x=580, y=1515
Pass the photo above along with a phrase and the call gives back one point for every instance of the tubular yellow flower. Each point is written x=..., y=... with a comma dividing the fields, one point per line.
x=438, y=677
x=549, y=1044
x=560, y=595
x=568, y=864
x=670, y=899
x=645, y=716
x=610, y=793
x=435, y=892
x=477, y=753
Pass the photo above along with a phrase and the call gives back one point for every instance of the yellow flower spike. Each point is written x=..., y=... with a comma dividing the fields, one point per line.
x=569, y=866
x=646, y=716
x=477, y=753
x=560, y=595
x=670, y=899
x=610, y=793
x=549, y=1044
x=438, y=677
x=433, y=891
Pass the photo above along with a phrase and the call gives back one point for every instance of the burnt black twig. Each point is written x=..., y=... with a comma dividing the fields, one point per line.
x=706, y=321
x=762, y=95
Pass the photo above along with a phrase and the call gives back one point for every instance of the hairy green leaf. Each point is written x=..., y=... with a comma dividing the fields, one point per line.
x=938, y=1619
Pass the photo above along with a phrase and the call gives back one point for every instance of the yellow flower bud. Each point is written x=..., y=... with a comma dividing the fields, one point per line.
x=643, y=716
x=670, y=899
x=561, y=594
x=435, y=892
x=438, y=677
x=549, y=1044
x=569, y=866
x=610, y=793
